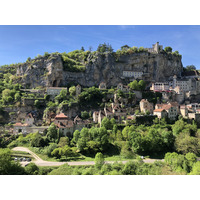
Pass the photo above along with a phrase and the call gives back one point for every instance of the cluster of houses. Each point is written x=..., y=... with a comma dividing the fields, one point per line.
x=64, y=124
x=175, y=92
x=171, y=110
x=179, y=89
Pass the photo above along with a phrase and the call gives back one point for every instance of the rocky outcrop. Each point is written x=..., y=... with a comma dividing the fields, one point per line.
x=45, y=72
x=48, y=71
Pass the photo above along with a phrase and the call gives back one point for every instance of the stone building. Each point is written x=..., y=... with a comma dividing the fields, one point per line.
x=26, y=129
x=60, y=118
x=161, y=113
x=102, y=86
x=160, y=86
x=183, y=84
x=54, y=91
x=29, y=119
x=123, y=88
x=78, y=90
x=133, y=74
x=184, y=110
x=145, y=106
x=67, y=126
x=156, y=48
x=114, y=111
x=171, y=108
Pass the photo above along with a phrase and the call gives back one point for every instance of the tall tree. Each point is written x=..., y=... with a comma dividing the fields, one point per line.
x=99, y=160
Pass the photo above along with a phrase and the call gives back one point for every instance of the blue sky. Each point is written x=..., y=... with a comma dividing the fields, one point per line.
x=17, y=43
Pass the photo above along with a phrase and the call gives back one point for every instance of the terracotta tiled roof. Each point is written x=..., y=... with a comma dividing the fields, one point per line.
x=158, y=110
x=174, y=103
x=20, y=124
x=61, y=115
x=182, y=106
x=143, y=100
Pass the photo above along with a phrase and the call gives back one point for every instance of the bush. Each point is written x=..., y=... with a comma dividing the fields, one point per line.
x=32, y=169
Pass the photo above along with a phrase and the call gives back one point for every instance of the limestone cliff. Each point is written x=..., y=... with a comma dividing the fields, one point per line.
x=49, y=71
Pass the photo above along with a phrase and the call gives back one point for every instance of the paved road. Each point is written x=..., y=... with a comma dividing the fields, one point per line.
x=38, y=161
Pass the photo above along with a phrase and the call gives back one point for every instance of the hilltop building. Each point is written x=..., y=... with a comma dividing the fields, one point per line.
x=145, y=106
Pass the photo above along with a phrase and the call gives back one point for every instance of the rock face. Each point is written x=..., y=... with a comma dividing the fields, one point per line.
x=43, y=72
x=48, y=71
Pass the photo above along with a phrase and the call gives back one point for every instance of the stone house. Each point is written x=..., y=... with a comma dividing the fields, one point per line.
x=171, y=109
x=161, y=113
x=78, y=90
x=113, y=111
x=95, y=116
x=102, y=86
x=123, y=88
x=20, y=128
x=184, y=110
x=54, y=91
x=29, y=119
x=194, y=116
x=145, y=106
x=67, y=126
x=26, y=128
x=101, y=116
x=61, y=118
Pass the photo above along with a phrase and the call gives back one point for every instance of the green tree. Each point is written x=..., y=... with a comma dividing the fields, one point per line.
x=72, y=90
x=134, y=85
x=17, y=96
x=99, y=160
x=106, y=123
x=92, y=97
x=168, y=49
x=76, y=136
x=63, y=141
x=185, y=143
x=52, y=133
x=191, y=160
x=6, y=95
x=38, y=141
x=196, y=169
x=37, y=103
x=137, y=112
x=28, y=59
x=190, y=68
x=57, y=152
x=102, y=48
x=142, y=85
x=125, y=47
x=85, y=115
x=7, y=165
x=32, y=169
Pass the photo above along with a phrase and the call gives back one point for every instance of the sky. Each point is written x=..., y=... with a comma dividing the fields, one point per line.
x=18, y=42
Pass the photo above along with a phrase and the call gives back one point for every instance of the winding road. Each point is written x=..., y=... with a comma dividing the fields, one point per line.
x=39, y=162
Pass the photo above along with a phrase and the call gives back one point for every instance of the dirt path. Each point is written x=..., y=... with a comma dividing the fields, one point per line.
x=38, y=161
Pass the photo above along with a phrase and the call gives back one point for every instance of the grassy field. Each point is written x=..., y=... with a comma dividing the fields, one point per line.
x=21, y=154
x=80, y=158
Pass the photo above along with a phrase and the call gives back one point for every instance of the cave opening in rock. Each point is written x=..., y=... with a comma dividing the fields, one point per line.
x=54, y=83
